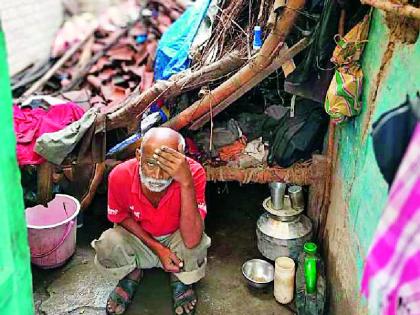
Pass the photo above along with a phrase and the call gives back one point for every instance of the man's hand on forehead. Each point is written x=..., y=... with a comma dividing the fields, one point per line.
x=173, y=163
x=166, y=156
x=169, y=150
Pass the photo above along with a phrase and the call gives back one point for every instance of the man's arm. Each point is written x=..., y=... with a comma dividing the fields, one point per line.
x=169, y=260
x=191, y=223
x=175, y=164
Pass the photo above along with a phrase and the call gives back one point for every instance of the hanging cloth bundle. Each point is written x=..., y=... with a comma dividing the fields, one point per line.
x=344, y=93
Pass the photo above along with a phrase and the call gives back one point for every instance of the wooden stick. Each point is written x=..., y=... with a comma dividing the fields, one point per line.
x=263, y=59
x=44, y=182
x=277, y=63
x=396, y=8
x=69, y=53
x=316, y=202
x=327, y=183
x=85, y=56
x=138, y=101
x=342, y=22
x=93, y=185
x=273, y=15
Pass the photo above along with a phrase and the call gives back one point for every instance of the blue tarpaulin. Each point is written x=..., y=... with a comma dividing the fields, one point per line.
x=172, y=52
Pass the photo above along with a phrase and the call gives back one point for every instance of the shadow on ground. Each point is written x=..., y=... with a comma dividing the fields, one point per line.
x=77, y=288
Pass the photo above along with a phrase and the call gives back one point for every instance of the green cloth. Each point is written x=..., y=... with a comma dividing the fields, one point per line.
x=15, y=270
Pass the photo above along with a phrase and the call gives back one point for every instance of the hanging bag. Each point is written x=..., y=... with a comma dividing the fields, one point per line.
x=343, y=98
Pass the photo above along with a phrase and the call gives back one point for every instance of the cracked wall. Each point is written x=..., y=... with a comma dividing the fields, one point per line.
x=391, y=72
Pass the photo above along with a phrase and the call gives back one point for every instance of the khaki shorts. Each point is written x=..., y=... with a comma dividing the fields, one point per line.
x=118, y=252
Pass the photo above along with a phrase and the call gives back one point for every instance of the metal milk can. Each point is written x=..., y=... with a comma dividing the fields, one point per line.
x=283, y=232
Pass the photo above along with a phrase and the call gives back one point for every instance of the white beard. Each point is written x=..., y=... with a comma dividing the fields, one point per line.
x=153, y=184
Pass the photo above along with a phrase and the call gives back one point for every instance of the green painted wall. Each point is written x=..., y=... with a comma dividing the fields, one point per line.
x=364, y=187
x=15, y=272
x=392, y=70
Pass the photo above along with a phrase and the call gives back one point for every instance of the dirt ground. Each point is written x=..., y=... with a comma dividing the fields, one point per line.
x=77, y=288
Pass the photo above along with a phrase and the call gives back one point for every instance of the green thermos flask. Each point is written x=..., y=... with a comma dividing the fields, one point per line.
x=310, y=266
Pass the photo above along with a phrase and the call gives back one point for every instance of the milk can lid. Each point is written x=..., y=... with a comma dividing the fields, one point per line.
x=310, y=248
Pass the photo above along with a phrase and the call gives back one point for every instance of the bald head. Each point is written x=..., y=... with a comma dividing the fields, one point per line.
x=162, y=136
x=152, y=176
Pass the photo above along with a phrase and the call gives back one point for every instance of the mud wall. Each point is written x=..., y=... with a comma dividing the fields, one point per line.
x=391, y=65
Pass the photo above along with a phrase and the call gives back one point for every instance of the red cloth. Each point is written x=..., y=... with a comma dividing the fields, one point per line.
x=192, y=149
x=125, y=198
x=29, y=124
x=232, y=151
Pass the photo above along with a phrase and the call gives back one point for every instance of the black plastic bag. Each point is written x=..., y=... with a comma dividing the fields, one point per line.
x=297, y=138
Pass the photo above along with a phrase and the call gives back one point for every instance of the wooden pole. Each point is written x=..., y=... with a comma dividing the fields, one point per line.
x=44, y=182
x=85, y=56
x=319, y=171
x=67, y=55
x=93, y=185
x=342, y=22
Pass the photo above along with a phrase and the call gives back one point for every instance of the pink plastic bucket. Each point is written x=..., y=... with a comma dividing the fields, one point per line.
x=52, y=231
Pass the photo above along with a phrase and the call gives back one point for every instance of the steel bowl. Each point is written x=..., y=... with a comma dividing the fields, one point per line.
x=258, y=273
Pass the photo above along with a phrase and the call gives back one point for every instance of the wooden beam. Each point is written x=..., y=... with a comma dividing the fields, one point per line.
x=316, y=198
x=299, y=174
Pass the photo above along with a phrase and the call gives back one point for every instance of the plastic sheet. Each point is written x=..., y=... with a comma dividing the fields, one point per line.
x=172, y=53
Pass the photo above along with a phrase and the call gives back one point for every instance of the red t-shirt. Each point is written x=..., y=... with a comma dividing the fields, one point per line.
x=125, y=198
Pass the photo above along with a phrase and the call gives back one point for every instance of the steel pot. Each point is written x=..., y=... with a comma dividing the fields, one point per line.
x=282, y=232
